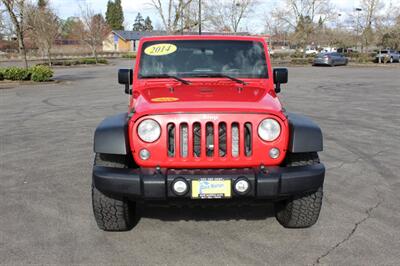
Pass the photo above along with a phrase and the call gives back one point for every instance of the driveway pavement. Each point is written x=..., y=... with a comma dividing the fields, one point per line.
x=46, y=157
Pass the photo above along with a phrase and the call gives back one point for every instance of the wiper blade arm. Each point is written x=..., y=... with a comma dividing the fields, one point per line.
x=217, y=75
x=184, y=81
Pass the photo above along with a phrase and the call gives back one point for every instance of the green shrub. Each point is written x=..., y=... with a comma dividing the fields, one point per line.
x=102, y=61
x=361, y=57
x=301, y=61
x=16, y=73
x=129, y=55
x=1, y=75
x=92, y=61
x=41, y=73
x=280, y=55
x=83, y=61
x=87, y=61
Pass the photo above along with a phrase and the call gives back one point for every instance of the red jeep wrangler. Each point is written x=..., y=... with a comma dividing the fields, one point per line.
x=205, y=125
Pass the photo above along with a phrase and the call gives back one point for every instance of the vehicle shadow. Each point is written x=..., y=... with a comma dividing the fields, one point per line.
x=210, y=213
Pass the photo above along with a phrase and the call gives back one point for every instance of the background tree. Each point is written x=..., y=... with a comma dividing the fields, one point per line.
x=2, y=24
x=148, y=26
x=172, y=14
x=388, y=28
x=69, y=28
x=225, y=15
x=16, y=11
x=369, y=18
x=301, y=17
x=42, y=3
x=139, y=24
x=93, y=29
x=115, y=15
x=44, y=26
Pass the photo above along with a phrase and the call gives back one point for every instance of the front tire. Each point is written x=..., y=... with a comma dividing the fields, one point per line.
x=112, y=213
x=300, y=211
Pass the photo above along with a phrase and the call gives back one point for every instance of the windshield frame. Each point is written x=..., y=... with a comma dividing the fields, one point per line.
x=165, y=39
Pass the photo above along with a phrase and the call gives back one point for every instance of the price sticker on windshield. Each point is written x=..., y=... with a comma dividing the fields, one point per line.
x=160, y=49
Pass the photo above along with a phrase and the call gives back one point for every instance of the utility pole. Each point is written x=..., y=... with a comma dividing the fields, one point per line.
x=358, y=25
x=199, y=17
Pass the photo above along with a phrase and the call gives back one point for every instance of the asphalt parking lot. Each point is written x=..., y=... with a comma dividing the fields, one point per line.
x=46, y=158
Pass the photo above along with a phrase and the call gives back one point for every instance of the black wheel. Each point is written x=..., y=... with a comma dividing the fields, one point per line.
x=300, y=211
x=112, y=213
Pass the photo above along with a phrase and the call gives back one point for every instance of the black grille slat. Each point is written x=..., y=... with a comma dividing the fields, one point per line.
x=196, y=139
x=171, y=140
x=248, y=139
x=222, y=139
x=210, y=139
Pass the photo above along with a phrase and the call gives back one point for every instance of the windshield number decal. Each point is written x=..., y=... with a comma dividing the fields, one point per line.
x=160, y=49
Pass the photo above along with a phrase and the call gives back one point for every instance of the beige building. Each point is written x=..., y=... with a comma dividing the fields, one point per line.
x=126, y=41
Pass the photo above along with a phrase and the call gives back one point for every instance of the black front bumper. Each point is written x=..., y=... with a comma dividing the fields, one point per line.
x=272, y=182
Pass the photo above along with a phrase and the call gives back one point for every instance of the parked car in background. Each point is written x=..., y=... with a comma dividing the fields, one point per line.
x=330, y=59
x=328, y=49
x=387, y=56
x=311, y=51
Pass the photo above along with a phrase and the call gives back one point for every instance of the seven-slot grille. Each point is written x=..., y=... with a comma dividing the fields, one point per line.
x=209, y=139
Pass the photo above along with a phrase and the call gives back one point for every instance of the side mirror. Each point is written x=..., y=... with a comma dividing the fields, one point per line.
x=280, y=77
x=125, y=77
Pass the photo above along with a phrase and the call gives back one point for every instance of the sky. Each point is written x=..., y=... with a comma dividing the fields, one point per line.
x=67, y=8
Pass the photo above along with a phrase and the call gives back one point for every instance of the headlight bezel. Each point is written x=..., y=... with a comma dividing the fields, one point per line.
x=275, y=123
x=148, y=139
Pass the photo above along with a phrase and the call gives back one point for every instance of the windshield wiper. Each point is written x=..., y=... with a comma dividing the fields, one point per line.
x=186, y=82
x=220, y=75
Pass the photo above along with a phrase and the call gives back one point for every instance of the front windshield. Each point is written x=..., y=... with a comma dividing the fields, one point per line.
x=200, y=58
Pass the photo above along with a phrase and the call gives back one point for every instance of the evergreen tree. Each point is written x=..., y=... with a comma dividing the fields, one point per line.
x=148, y=26
x=42, y=4
x=320, y=23
x=139, y=23
x=115, y=15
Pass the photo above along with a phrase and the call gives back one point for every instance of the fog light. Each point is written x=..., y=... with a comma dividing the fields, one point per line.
x=242, y=186
x=274, y=153
x=180, y=187
x=144, y=154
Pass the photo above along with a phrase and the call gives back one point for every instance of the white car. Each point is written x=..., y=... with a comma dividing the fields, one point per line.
x=311, y=51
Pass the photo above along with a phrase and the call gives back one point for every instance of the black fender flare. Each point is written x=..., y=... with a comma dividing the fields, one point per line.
x=304, y=134
x=111, y=135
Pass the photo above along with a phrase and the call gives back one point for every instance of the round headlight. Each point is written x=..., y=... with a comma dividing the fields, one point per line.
x=149, y=130
x=269, y=129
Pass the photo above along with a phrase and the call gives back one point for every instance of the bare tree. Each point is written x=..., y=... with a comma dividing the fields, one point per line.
x=44, y=27
x=16, y=11
x=303, y=16
x=370, y=9
x=172, y=14
x=227, y=15
x=93, y=29
x=1, y=21
x=388, y=28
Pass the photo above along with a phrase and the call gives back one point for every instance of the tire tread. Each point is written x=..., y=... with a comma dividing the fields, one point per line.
x=112, y=213
x=300, y=211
